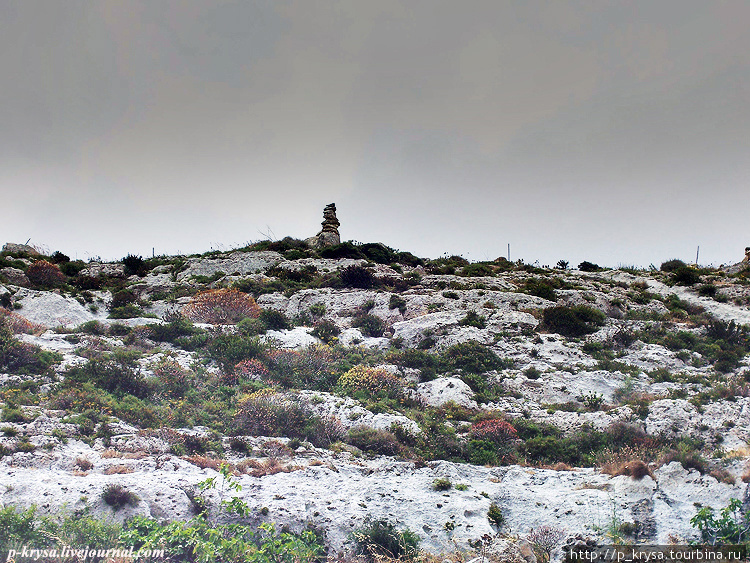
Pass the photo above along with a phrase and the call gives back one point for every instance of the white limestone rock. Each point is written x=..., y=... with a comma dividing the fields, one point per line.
x=444, y=390
x=234, y=263
x=51, y=309
x=295, y=338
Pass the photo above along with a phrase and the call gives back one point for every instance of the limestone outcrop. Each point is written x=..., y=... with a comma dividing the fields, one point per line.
x=329, y=234
x=14, y=248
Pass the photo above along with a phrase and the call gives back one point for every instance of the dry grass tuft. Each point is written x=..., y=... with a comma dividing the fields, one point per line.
x=262, y=468
x=205, y=462
x=562, y=467
x=84, y=464
x=118, y=469
x=724, y=476
x=634, y=468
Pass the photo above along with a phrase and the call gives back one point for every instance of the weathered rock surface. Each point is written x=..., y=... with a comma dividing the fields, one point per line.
x=337, y=494
x=96, y=269
x=15, y=276
x=15, y=248
x=234, y=263
x=50, y=309
x=444, y=390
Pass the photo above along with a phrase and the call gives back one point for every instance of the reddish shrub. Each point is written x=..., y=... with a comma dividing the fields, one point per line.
x=221, y=306
x=19, y=325
x=493, y=430
x=44, y=274
x=248, y=369
x=173, y=379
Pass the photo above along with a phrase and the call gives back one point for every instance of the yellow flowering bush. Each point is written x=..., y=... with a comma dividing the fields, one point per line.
x=371, y=382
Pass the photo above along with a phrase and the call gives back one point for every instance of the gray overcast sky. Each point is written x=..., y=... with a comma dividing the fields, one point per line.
x=615, y=132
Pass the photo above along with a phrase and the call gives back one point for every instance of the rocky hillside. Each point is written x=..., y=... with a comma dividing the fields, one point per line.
x=355, y=383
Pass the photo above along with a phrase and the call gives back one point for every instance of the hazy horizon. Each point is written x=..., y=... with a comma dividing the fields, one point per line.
x=611, y=132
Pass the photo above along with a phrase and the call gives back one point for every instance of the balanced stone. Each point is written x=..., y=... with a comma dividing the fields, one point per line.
x=329, y=234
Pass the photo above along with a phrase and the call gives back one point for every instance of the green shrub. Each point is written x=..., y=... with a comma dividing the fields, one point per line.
x=481, y=452
x=442, y=484
x=540, y=288
x=317, y=309
x=24, y=527
x=343, y=250
x=230, y=349
x=129, y=311
x=274, y=320
x=134, y=265
x=11, y=414
x=370, y=325
x=378, y=253
x=474, y=319
x=173, y=330
x=586, y=266
x=672, y=265
x=418, y=359
x=707, y=290
x=117, y=497
x=495, y=516
x=20, y=358
x=122, y=298
x=357, y=276
x=471, y=357
x=685, y=275
x=117, y=373
x=380, y=538
x=397, y=302
x=731, y=528
x=574, y=321
x=477, y=270
x=380, y=442
x=326, y=330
